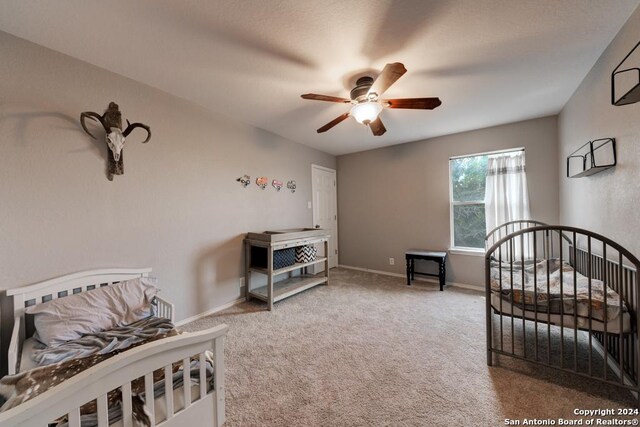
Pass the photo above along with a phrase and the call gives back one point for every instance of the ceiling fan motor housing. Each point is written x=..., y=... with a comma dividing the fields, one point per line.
x=363, y=84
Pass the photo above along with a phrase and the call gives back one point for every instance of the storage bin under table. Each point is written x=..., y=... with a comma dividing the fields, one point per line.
x=273, y=254
x=281, y=258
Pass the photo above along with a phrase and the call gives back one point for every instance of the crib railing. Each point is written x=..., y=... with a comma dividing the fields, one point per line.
x=593, y=256
x=62, y=287
x=163, y=308
x=548, y=247
x=120, y=371
x=507, y=228
x=622, y=279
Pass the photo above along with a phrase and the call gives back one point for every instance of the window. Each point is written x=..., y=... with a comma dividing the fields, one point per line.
x=468, y=177
x=467, y=195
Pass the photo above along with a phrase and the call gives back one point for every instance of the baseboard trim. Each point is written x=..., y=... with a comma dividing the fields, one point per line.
x=421, y=279
x=210, y=312
x=369, y=270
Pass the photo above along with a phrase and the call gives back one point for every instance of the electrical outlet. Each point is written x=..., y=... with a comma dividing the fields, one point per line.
x=241, y=282
x=392, y=261
x=308, y=205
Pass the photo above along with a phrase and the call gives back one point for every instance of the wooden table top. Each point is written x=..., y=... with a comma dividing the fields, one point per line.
x=426, y=252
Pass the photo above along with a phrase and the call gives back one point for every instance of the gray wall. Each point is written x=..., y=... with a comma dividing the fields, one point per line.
x=395, y=198
x=177, y=208
x=608, y=202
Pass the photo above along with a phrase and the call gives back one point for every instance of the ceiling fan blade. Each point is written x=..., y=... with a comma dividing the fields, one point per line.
x=328, y=98
x=377, y=127
x=333, y=122
x=389, y=75
x=414, y=103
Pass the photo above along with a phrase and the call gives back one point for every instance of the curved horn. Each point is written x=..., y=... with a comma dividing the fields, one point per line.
x=92, y=116
x=132, y=126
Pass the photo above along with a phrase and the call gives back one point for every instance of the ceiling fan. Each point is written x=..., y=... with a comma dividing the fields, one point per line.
x=367, y=103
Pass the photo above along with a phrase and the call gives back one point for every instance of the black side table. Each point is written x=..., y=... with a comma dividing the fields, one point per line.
x=440, y=257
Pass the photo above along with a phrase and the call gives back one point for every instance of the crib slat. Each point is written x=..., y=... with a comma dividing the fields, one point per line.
x=524, y=326
x=186, y=383
x=575, y=304
x=218, y=377
x=203, y=376
x=535, y=296
x=589, y=277
x=633, y=339
x=74, y=418
x=561, y=304
x=127, y=410
x=621, y=339
x=149, y=398
x=501, y=298
x=635, y=303
x=605, y=283
x=513, y=342
x=168, y=390
x=546, y=241
x=103, y=415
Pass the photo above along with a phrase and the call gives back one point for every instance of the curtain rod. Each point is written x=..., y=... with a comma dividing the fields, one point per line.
x=488, y=153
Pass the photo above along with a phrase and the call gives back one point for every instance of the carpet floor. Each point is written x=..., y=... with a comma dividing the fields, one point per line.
x=369, y=351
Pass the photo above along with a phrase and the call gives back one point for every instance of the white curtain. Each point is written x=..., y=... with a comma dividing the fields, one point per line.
x=506, y=194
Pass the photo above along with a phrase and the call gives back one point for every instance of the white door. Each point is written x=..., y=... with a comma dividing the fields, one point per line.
x=325, y=209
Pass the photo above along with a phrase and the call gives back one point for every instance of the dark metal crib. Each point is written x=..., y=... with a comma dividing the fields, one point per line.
x=552, y=294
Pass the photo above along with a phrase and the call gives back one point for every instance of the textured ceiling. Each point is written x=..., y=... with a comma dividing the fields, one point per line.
x=490, y=61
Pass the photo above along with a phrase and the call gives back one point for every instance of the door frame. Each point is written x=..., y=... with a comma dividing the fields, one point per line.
x=335, y=203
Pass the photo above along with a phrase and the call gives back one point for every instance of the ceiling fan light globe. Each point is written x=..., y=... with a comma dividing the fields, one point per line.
x=366, y=112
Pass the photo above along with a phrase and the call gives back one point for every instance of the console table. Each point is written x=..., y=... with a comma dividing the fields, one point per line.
x=437, y=256
x=289, y=284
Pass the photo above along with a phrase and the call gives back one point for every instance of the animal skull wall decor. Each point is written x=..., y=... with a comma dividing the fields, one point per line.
x=111, y=121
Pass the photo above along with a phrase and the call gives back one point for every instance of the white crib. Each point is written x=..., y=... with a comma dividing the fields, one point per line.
x=120, y=370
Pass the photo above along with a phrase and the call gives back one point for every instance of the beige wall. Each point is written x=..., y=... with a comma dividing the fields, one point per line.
x=177, y=208
x=608, y=202
x=395, y=198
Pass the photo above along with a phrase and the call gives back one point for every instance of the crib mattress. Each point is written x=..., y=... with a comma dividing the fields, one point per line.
x=548, y=285
x=567, y=320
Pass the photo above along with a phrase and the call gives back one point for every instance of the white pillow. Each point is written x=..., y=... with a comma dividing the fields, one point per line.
x=101, y=309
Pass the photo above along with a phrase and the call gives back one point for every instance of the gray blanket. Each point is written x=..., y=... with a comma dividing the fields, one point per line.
x=102, y=342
